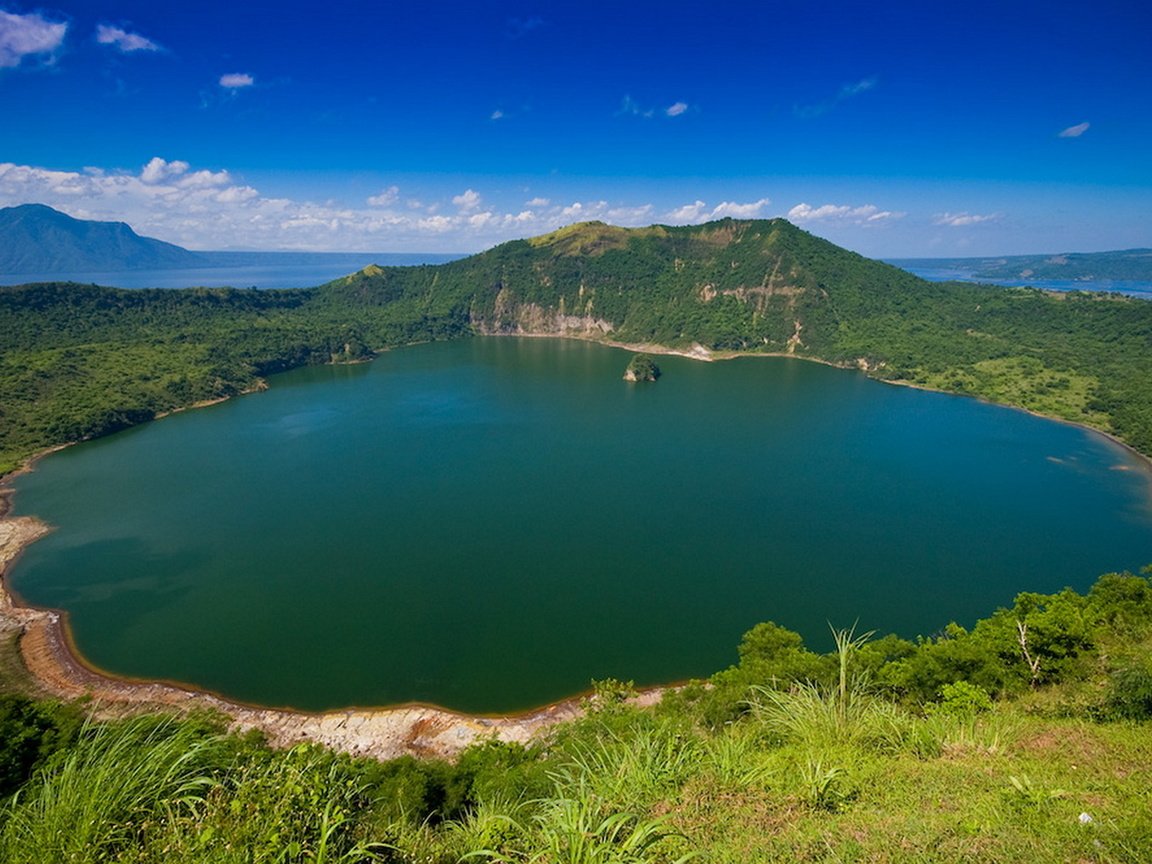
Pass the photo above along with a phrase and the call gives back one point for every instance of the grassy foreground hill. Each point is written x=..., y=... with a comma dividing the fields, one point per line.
x=1023, y=739
x=79, y=361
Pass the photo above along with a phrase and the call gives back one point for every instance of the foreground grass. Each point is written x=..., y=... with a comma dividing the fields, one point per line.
x=837, y=760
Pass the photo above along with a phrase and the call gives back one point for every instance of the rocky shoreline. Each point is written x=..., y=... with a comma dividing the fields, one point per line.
x=385, y=733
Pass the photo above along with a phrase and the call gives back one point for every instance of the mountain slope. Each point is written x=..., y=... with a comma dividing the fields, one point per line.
x=78, y=361
x=35, y=238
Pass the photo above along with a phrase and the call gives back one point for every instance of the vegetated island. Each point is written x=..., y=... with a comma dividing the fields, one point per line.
x=641, y=368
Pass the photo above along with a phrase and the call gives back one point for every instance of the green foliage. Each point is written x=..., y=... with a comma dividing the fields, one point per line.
x=1129, y=694
x=818, y=766
x=77, y=361
x=642, y=368
x=963, y=699
x=30, y=733
x=90, y=803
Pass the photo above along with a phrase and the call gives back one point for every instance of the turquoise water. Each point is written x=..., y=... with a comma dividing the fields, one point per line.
x=489, y=524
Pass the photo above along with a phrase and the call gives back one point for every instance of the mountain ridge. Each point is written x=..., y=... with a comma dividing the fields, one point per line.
x=35, y=238
x=77, y=361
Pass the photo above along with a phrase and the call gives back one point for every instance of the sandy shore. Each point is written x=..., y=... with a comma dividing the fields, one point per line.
x=386, y=733
x=54, y=670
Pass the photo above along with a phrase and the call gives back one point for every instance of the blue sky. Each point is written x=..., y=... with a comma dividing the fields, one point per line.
x=895, y=129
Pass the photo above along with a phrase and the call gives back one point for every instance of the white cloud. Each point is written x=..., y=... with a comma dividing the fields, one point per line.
x=211, y=209
x=23, y=35
x=122, y=39
x=847, y=91
x=959, y=220
x=867, y=214
x=159, y=169
x=676, y=109
x=857, y=87
x=386, y=198
x=236, y=80
x=1074, y=131
x=467, y=200
x=698, y=211
x=751, y=210
x=629, y=106
x=688, y=213
x=496, y=115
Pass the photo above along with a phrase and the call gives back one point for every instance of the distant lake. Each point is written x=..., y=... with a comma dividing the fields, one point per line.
x=241, y=270
x=489, y=524
x=1131, y=287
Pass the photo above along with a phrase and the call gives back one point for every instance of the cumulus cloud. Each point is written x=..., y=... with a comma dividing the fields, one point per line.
x=25, y=35
x=467, y=200
x=496, y=115
x=693, y=212
x=959, y=220
x=236, y=80
x=127, y=42
x=211, y=209
x=751, y=210
x=676, y=109
x=698, y=211
x=1074, y=131
x=867, y=214
x=386, y=198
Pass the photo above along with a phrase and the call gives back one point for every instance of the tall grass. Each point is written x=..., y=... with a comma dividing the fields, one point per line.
x=844, y=713
x=116, y=783
x=633, y=771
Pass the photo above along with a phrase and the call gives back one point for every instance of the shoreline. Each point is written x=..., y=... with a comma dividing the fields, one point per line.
x=57, y=668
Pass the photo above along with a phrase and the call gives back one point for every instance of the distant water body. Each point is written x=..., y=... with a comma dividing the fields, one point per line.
x=241, y=270
x=1132, y=288
x=489, y=524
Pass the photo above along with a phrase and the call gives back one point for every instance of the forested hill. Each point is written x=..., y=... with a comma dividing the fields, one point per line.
x=77, y=361
x=35, y=238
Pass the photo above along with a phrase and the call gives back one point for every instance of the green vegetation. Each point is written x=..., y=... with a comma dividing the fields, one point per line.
x=1024, y=738
x=641, y=368
x=78, y=361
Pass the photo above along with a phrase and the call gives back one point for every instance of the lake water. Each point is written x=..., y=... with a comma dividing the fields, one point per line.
x=489, y=524
x=241, y=270
x=1131, y=287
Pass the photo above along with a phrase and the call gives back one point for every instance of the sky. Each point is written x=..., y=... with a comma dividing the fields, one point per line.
x=897, y=129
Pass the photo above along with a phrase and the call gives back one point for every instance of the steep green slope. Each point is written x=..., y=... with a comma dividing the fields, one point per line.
x=77, y=361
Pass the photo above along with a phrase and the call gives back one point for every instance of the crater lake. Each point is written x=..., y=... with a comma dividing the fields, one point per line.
x=491, y=523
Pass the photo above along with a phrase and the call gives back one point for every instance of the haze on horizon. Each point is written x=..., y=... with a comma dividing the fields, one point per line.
x=896, y=130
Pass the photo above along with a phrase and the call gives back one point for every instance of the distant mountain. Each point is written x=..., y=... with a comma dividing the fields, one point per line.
x=1133, y=265
x=34, y=238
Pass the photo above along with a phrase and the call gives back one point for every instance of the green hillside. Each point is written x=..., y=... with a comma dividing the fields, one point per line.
x=78, y=361
x=1023, y=739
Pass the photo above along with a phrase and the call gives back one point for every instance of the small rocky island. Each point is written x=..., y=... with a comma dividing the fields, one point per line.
x=641, y=368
